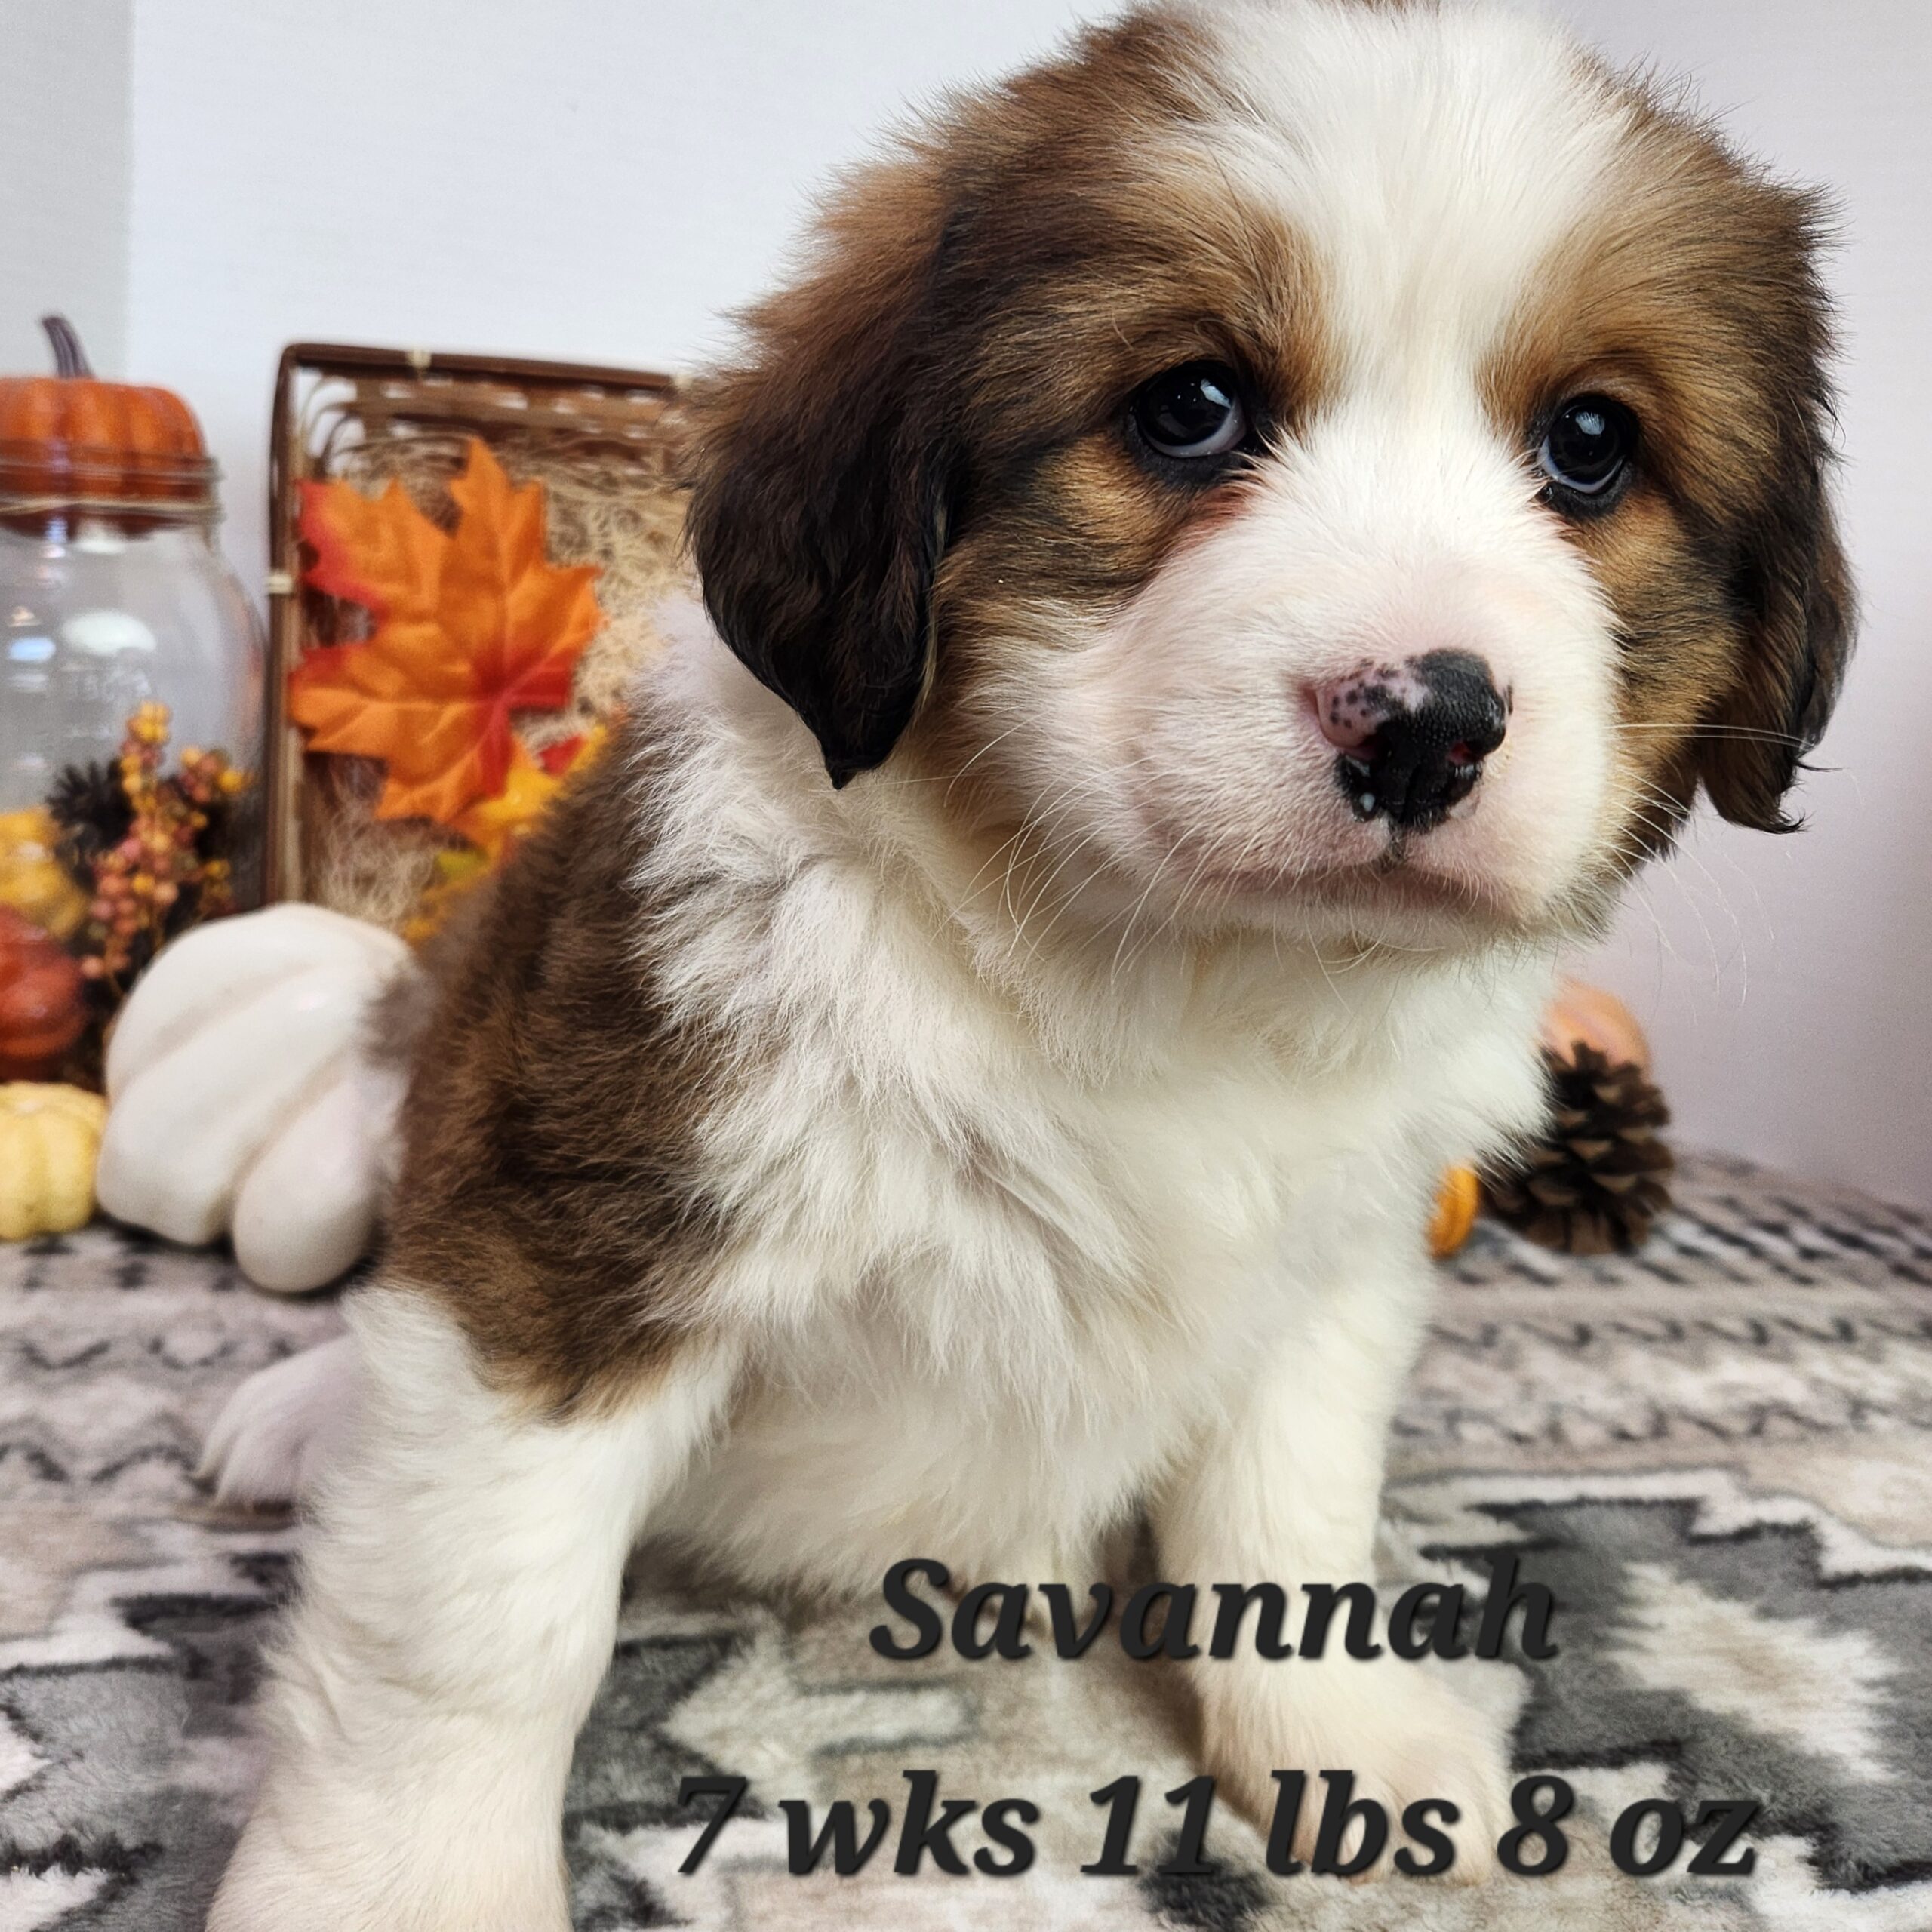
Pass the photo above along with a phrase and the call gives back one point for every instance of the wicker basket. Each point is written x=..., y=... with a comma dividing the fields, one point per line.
x=604, y=443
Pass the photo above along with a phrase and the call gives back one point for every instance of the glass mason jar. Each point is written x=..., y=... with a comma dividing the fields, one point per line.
x=132, y=718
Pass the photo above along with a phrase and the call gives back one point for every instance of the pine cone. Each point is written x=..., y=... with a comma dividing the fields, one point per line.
x=1599, y=1176
x=89, y=806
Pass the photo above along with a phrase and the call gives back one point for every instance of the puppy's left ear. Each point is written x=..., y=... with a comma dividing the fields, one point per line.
x=821, y=478
x=1794, y=588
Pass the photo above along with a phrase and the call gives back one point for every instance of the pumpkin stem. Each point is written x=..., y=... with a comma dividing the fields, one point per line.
x=69, y=357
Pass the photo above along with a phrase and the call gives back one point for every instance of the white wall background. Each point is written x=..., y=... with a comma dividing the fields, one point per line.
x=601, y=179
x=64, y=176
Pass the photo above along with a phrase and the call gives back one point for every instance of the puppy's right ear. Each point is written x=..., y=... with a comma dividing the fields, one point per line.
x=820, y=480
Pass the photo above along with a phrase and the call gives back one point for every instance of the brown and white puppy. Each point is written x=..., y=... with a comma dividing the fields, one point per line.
x=1242, y=540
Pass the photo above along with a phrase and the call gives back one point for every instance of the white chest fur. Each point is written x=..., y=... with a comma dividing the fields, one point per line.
x=991, y=1278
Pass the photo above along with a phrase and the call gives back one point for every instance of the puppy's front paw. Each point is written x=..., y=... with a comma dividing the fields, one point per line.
x=384, y=1884
x=1402, y=1732
x=281, y=1426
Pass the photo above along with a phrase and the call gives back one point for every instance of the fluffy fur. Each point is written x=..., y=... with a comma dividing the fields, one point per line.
x=957, y=1078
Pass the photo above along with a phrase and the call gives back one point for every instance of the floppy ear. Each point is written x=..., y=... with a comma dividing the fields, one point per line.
x=1794, y=590
x=820, y=481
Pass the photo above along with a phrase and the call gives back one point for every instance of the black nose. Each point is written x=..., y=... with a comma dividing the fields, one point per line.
x=1425, y=727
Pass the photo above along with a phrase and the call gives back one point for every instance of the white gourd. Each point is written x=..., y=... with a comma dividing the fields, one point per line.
x=238, y=1102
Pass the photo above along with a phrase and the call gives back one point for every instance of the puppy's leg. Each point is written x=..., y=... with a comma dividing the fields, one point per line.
x=1287, y=1490
x=282, y=1426
x=458, y=1606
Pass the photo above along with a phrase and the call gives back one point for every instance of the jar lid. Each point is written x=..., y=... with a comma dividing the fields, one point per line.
x=72, y=445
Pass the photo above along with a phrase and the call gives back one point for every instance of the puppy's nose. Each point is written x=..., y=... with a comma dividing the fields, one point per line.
x=1411, y=734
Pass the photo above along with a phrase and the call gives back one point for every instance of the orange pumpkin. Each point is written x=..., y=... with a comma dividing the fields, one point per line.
x=69, y=441
x=1588, y=1017
x=41, y=1013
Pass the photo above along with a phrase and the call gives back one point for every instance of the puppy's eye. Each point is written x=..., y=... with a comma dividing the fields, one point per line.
x=1192, y=412
x=1588, y=448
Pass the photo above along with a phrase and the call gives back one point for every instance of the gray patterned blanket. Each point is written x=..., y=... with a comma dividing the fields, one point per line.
x=1716, y=1454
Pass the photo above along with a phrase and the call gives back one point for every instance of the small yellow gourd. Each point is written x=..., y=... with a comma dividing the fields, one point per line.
x=49, y=1138
x=33, y=881
x=1455, y=1214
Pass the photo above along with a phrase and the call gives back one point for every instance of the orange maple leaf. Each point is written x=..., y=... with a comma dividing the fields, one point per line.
x=493, y=824
x=471, y=628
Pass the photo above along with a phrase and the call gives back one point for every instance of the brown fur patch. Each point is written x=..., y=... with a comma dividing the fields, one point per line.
x=549, y=1197
x=932, y=428
x=1695, y=300
x=951, y=381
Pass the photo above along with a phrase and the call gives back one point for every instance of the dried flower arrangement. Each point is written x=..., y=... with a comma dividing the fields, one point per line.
x=154, y=843
x=469, y=630
x=423, y=753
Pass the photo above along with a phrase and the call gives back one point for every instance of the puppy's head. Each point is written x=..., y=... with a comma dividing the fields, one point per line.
x=1352, y=466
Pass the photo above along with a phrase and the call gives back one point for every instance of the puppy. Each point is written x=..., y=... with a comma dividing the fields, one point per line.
x=1239, y=543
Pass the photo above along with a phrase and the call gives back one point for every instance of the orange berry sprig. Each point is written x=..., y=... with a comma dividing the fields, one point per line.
x=139, y=882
